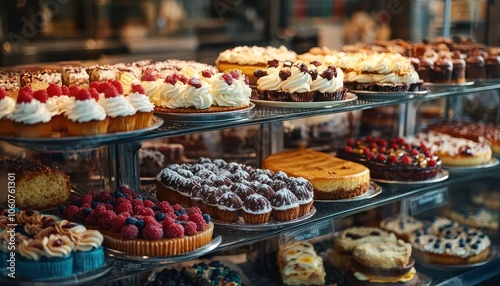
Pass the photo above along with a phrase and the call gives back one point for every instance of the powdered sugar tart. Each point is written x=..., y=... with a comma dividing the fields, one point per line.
x=134, y=225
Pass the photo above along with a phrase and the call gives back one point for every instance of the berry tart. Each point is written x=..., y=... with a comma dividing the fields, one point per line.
x=135, y=225
x=448, y=242
x=393, y=159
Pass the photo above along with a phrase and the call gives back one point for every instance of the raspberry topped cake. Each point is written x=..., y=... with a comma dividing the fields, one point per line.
x=393, y=159
x=133, y=224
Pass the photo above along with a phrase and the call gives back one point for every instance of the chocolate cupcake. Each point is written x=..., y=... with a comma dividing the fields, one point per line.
x=458, y=72
x=475, y=66
x=424, y=72
x=242, y=190
x=265, y=190
x=285, y=205
x=304, y=197
x=492, y=66
x=229, y=205
x=210, y=200
x=441, y=73
x=256, y=209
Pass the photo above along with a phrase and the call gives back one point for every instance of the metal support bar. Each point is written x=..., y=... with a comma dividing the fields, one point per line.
x=270, y=140
x=124, y=165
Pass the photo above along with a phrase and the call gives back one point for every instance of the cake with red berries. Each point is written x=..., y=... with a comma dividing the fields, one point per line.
x=135, y=225
x=86, y=116
x=30, y=117
x=392, y=160
x=40, y=79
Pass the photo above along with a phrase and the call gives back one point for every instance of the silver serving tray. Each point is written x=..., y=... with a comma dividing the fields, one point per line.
x=365, y=94
x=319, y=104
x=449, y=85
x=167, y=259
x=441, y=176
x=459, y=169
x=207, y=117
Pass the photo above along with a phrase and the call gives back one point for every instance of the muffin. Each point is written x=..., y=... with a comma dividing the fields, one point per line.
x=492, y=65
x=304, y=196
x=86, y=117
x=475, y=66
x=256, y=209
x=285, y=205
x=442, y=71
x=118, y=109
x=229, y=206
x=143, y=106
x=297, y=84
x=458, y=72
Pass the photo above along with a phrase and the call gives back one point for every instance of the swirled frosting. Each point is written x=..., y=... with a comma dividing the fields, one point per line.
x=70, y=229
x=325, y=85
x=51, y=105
x=127, y=78
x=246, y=55
x=271, y=81
x=235, y=94
x=140, y=102
x=298, y=81
x=200, y=98
x=31, y=112
x=57, y=245
x=46, y=232
x=88, y=240
x=5, y=240
x=85, y=111
x=29, y=217
x=117, y=106
x=7, y=105
x=151, y=89
x=31, y=249
x=172, y=95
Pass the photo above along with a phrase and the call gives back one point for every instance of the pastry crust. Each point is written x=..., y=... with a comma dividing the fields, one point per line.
x=211, y=109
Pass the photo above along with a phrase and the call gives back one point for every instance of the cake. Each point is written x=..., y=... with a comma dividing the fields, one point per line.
x=476, y=217
x=442, y=71
x=453, y=151
x=10, y=83
x=332, y=178
x=198, y=274
x=347, y=241
x=36, y=186
x=383, y=263
x=299, y=264
x=132, y=224
x=402, y=226
x=75, y=75
x=40, y=79
x=482, y=132
x=392, y=159
x=474, y=66
x=248, y=59
x=143, y=105
x=86, y=116
x=7, y=105
x=458, y=71
x=492, y=64
x=449, y=243
x=30, y=117
x=100, y=73
x=285, y=205
x=223, y=188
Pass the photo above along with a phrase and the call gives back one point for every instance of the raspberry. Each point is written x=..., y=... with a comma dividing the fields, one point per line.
x=199, y=220
x=406, y=160
x=41, y=95
x=148, y=75
x=381, y=158
x=54, y=90
x=3, y=94
x=105, y=222
x=121, y=200
x=258, y=73
x=348, y=149
x=194, y=81
x=148, y=203
x=246, y=80
x=103, y=196
x=87, y=198
x=65, y=90
x=175, y=230
x=147, y=212
x=129, y=231
x=182, y=78
x=393, y=159
x=235, y=74
x=102, y=86
x=273, y=63
x=118, y=85
x=183, y=217
x=152, y=232
x=124, y=207
x=334, y=70
x=165, y=207
x=71, y=212
x=431, y=163
x=93, y=193
x=284, y=74
x=25, y=94
x=138, y=88
x=194, y=210
x=73, y=90
x=109, y=206
x=91, y=219
x=94, y=84
x=313, y=74
x=206, y=73
x=167, y=221
x=227, y=78
x=150, y=220
x=118, y=222
x=110, y=91
x=125, y=190
x=100, y=210
x=178, y=207
x=137, y=209
x=190, y=228
x=414, y=152
x=94, y=93
x=303, y=67
x=170, y=79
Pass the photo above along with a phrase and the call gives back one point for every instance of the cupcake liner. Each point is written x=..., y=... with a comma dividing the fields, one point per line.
x=416, y=86
x=121, y=123
x=6, y=127
x=227, y=216
x=392, y=87
x=46, y=267
x=305, y=208
x=143, y=120
x=302, y=96
x=59, y=123
x=38, y=130
x=260, y=94
x=88, y=260
x=276, y=95
x=286, y=215
x=339, y=94
x=256, y=218
x=93, y=127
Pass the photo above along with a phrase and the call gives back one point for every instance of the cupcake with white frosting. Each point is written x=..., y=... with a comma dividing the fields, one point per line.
x=86, y=116
x=121, y=114
x=144, y=107
x=30, y=117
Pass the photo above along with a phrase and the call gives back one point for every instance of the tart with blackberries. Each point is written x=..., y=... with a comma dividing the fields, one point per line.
x=393, y=159
x=133, y=224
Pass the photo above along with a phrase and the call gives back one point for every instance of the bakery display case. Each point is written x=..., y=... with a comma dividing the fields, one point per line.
x=444, y=208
